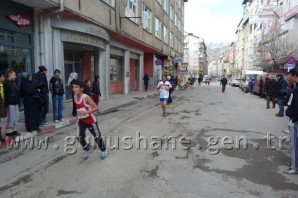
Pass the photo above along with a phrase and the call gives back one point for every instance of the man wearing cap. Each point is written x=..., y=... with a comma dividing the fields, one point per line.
x=40, y=84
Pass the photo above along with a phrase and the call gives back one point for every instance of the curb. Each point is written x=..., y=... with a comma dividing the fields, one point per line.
x=52, y=127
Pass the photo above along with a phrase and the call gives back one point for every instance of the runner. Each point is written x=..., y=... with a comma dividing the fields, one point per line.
x=86, y=119
x=163, y=87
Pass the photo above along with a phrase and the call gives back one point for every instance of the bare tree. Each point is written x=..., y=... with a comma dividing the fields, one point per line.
x=274, y=45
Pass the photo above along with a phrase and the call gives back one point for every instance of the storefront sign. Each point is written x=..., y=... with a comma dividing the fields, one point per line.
x=82, y=38
x=291, y=13
x=20, y=20
x=267, y=12
x=158, y=62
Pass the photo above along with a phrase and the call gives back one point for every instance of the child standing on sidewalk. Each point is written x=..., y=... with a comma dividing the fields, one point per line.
x=2, y=108
x=11, y=100
x=86, y=119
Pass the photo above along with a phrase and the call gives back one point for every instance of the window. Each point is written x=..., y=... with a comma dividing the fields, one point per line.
x=146, y=20
x=116, y=70
x=171, y=40
x=176, y=19
x=131, y=9
x=165, y=5
x=165, y=35
x=110, y=2
x=172, y=13
x=157, y=28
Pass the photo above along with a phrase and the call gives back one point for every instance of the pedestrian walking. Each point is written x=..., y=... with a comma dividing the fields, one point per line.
x=96, y=89
x=11, y=101
x=57, y=91
x=2, y=107
x=281, y=94
x=146, y=81
x=31, y=103
x=163, y=87
x=200, y=80
x=223, y=83
x=40, y=83
x=86, y=108
x=72, y=78
x=292, y=113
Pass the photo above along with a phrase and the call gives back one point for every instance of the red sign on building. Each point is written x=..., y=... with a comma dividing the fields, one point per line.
x=20, y=20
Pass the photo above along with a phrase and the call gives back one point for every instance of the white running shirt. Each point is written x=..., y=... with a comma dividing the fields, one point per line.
x=163, y=92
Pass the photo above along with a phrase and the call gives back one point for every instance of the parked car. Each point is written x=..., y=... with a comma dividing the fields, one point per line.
x=246, y=75
x=235, y=82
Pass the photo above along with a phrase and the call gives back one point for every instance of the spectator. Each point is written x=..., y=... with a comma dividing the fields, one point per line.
x=270, y=85
x=31, y=103
x=292, y=113
x=11, y=101
x=57, y=91
x=261, y=87
x=72, y=78
x=88, y=87
x=251, y=85
x=96, y=89
x=281, y=94
x=40, y=83
x=2, y=108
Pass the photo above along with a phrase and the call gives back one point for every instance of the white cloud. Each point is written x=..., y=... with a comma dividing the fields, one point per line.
x=209, y=19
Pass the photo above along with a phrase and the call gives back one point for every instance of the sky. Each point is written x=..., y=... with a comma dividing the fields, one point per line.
x=213, y=20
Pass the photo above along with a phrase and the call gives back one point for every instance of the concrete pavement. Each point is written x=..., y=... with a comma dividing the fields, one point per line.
x=116, y=101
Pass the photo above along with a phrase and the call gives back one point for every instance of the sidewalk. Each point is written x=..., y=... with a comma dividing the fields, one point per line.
x=116, y=101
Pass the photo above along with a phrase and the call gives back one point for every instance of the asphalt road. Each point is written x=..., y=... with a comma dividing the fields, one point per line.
x=211, y=144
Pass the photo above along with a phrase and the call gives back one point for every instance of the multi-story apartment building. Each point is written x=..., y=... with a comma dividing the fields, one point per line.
x=262, y=19
x=195, y=56
x=119, y=40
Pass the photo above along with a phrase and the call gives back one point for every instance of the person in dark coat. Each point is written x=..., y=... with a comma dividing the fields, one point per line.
x=96, y=89
x=40, y=82
x=270, y=85
x=146, y=81
x=261, y=87
x=2, y=108
x=11, y=101
x=88, y=87
x=223, y=83
x=31, y=104
x=281, y=94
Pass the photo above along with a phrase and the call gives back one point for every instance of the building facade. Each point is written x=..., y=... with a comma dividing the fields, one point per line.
x=266, y=27
x=195, y=56
x=119, y=40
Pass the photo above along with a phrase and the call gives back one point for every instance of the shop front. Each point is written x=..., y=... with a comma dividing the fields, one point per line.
x=16, y=37
x=81, y=48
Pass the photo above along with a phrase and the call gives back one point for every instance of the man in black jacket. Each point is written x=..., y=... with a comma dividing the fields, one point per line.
x=57, y=91
x=223, y=83
x=270, y=85
x=281, y=94
x=292, y=112
x=40, y=84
